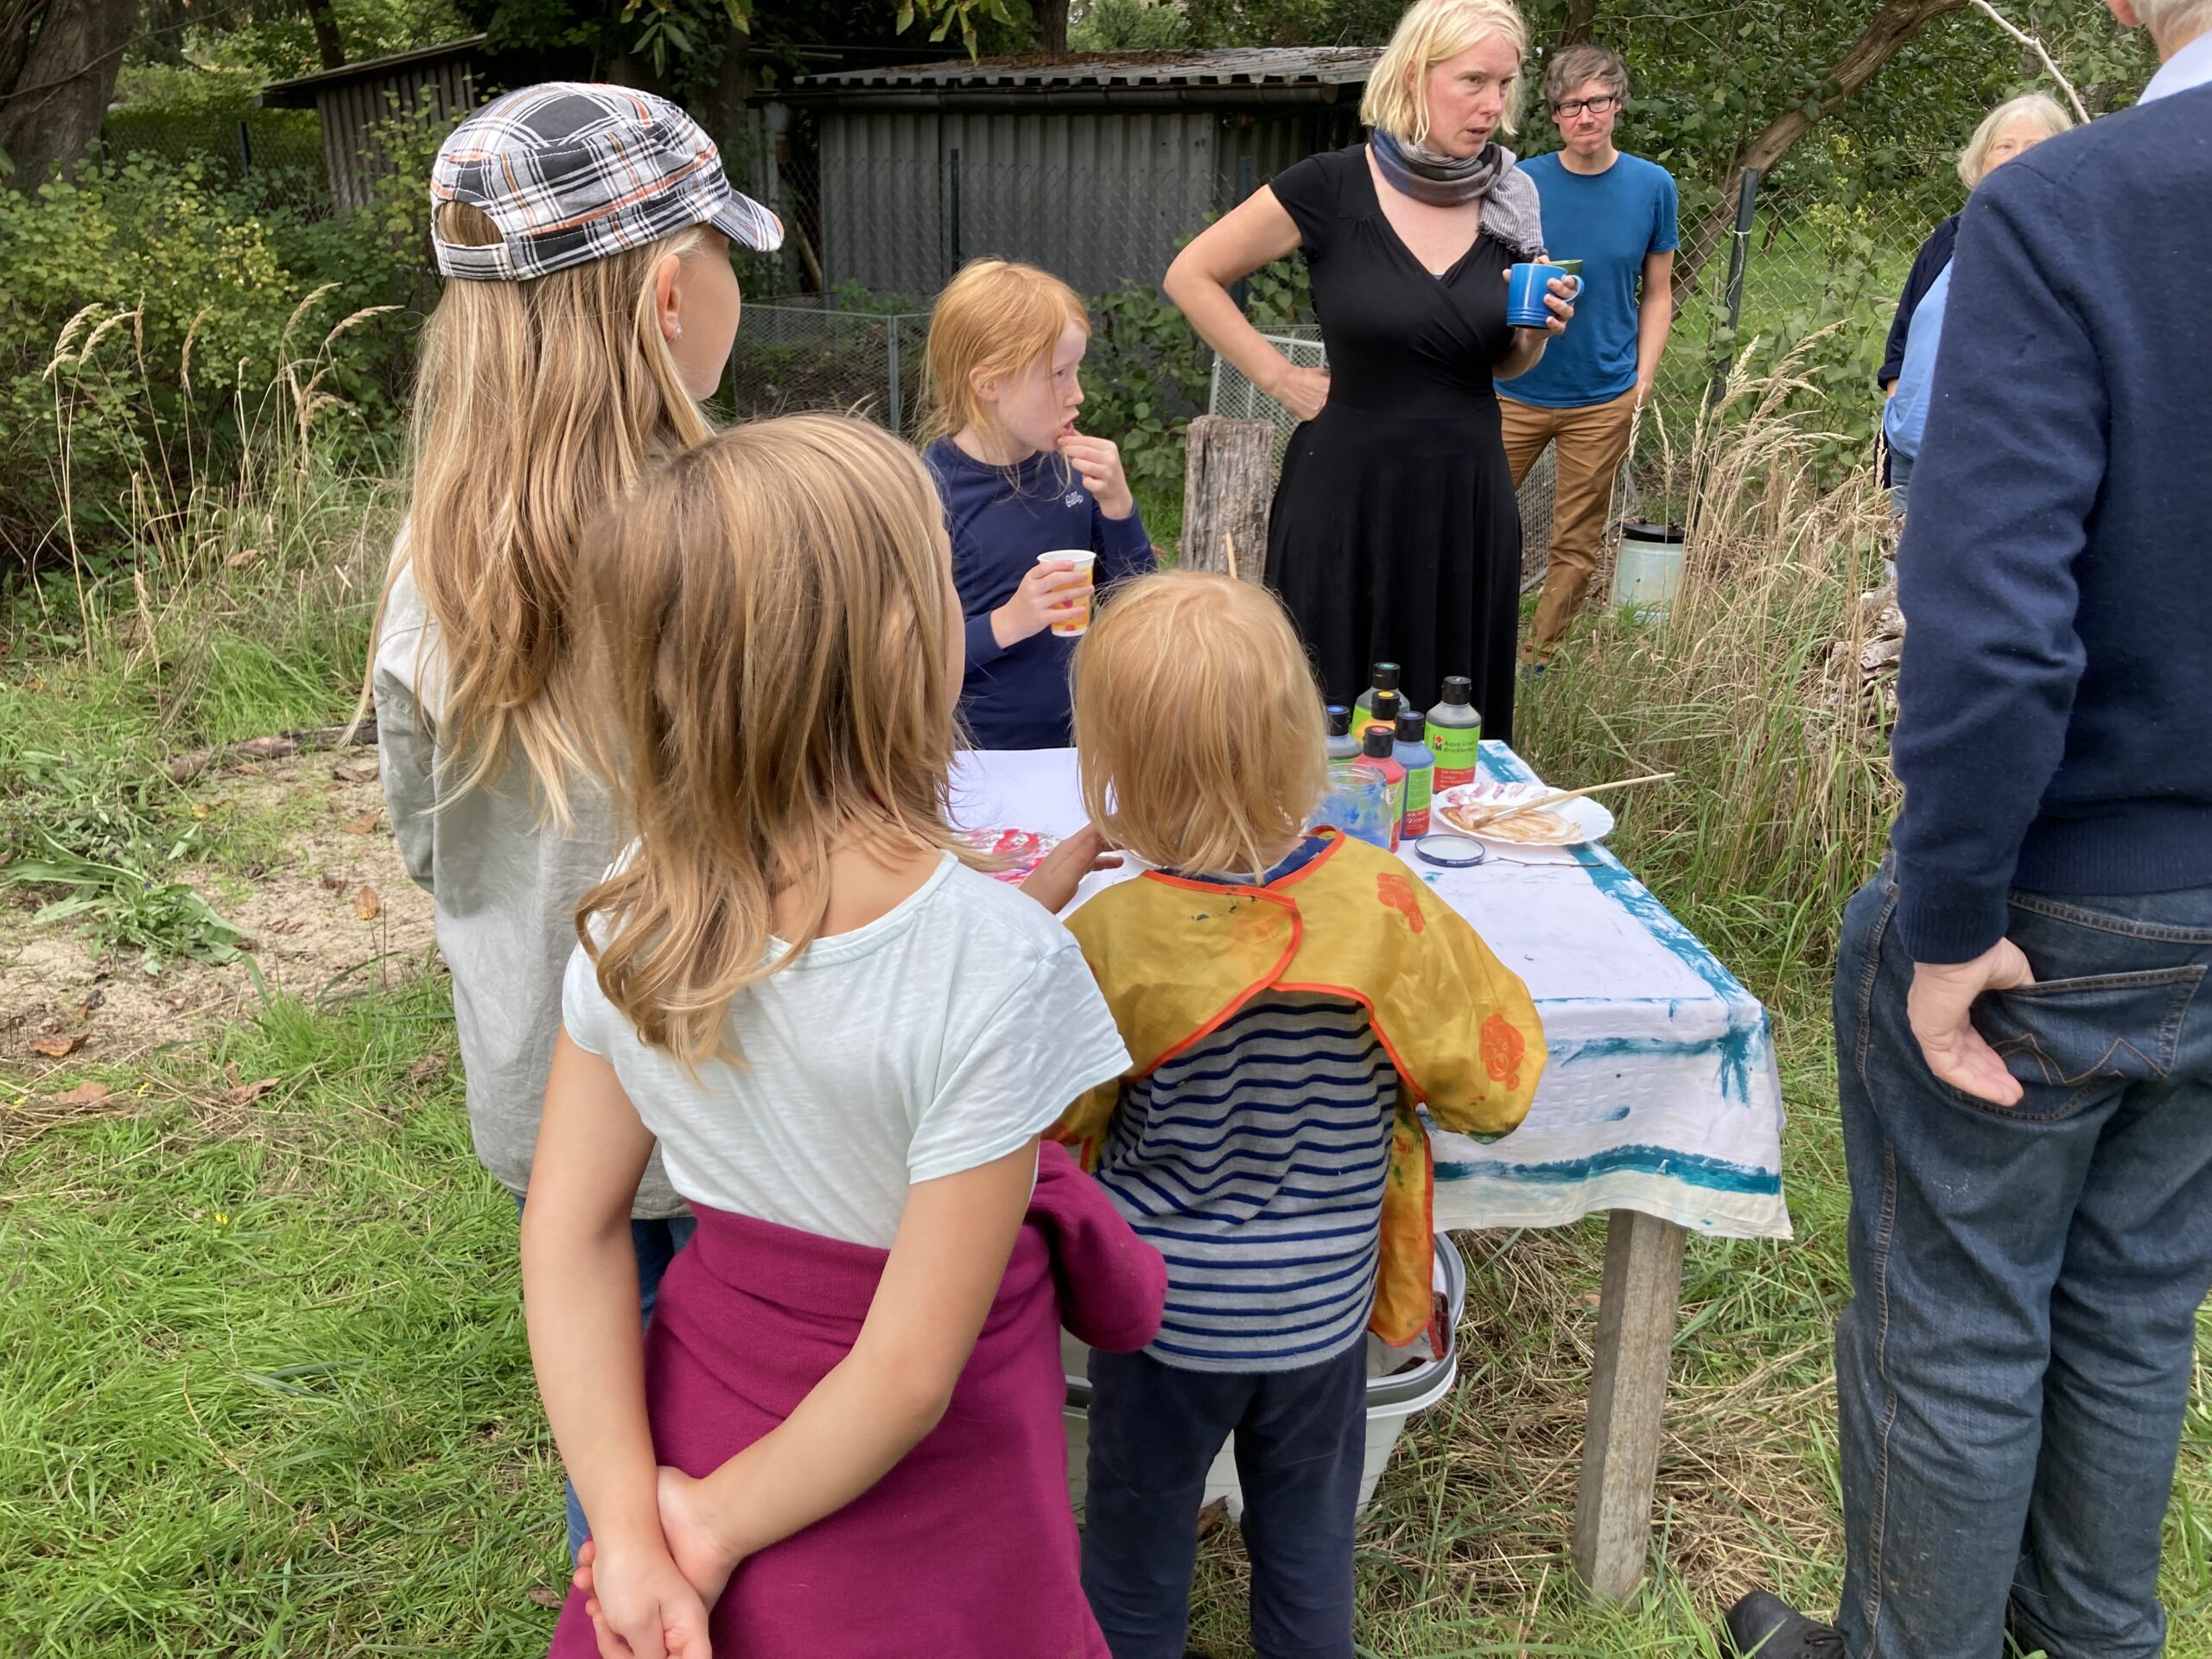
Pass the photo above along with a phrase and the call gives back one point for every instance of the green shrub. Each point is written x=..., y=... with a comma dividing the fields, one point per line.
x=152, y=311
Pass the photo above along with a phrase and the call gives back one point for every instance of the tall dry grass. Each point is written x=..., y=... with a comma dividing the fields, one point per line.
x=1782, y=792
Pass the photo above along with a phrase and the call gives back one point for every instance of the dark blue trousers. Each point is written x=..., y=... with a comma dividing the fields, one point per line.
x=1299, y=1436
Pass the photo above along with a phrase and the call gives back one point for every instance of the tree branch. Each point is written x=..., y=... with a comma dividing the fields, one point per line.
x=2034, y=43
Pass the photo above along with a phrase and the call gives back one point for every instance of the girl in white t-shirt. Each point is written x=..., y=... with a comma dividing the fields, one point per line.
x=847, y=1043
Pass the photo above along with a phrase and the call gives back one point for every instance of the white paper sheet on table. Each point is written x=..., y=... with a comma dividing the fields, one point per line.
x=1661, y=1094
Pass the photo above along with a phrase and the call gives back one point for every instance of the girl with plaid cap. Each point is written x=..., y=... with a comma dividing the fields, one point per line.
x=587, y=231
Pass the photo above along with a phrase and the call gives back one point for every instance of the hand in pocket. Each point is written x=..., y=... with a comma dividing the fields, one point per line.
x=1939, y=1007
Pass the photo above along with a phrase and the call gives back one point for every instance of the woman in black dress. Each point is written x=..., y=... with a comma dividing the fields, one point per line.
x=1395, y=534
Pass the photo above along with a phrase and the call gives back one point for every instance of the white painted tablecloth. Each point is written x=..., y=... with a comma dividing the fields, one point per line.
x=1661, y=1094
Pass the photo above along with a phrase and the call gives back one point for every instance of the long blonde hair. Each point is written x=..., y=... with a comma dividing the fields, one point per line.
x=1199, y=728
x=1396, y=99
x=997, y=315
x=767, y=645
x=537, y=404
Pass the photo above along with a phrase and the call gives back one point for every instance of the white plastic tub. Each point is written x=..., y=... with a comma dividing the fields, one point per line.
x=1648, y=569
x=1393, y=1394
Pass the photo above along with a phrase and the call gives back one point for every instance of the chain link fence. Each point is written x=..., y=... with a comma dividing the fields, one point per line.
x=839, y=318
x=277, y=155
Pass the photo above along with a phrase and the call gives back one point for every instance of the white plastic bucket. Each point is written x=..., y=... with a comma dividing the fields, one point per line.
x=1393, y=1396
x=1647, y=570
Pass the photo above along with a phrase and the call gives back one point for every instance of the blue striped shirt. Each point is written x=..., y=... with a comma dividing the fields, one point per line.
x=1254, y=1164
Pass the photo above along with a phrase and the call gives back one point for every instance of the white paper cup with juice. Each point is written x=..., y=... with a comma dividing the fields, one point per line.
x=1082, y=559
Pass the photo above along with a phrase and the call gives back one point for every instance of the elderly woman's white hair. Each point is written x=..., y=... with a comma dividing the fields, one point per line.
x=1396, y=99
x=2038, y=109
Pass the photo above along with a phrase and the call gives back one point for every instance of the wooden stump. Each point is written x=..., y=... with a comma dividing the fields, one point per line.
x=1228, y=482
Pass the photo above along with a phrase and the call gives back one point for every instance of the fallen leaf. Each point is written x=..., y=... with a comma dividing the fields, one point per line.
x=544, y=1596
x=245, y=1093
x=245, y=556
x=244, y=769
x=93, y=1003
x=199, y=810
x=364, y=824
x=58, y=1046
x=351, y=772
x=430, y=1066
x=84, y=1094
x=34, y=683
x=366, y=905
x=1591, y=1298
x=334, y=881
x=1212, y=1516
x=332, y=789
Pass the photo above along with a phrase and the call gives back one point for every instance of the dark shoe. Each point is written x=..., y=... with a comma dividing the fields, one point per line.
x=1763, y=1626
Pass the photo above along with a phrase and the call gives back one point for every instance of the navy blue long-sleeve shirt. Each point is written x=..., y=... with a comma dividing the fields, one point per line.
x=2056, y=694
x=1000, y=518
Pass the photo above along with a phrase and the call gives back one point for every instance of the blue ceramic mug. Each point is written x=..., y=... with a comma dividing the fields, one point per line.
x=1526, y=286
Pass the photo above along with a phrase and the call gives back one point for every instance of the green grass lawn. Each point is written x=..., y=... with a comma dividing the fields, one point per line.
x=267, y=1390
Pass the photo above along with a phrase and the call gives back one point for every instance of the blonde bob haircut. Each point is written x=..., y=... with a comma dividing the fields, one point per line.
x=767, y=648
x=1198, y=724
x=996, y=315
x=1396, y=99
x=2037, y=110
x=537, y=402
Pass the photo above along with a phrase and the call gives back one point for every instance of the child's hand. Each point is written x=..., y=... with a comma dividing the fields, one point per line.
x=1099, y=463
x=1053, y=882
x=686, y=1521
x=641, y=1606
x=1048, y=594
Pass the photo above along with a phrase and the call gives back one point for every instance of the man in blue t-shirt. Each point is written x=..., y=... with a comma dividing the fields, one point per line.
x=1615, y=214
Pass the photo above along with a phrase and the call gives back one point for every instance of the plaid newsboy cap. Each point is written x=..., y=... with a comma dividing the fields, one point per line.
x=573, y=171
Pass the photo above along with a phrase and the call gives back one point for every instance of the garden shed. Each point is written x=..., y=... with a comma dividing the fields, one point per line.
x=431, y=85
x=1095, y=166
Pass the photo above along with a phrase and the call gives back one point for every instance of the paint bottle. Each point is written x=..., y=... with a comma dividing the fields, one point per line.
x=1455, y=733
x=1343, y=746
x=1375, y=755
x=1414, y=755
x=1381, y=714
x=1362, y=709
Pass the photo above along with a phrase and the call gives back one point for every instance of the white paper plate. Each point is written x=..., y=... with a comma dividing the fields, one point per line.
x=1568, y=824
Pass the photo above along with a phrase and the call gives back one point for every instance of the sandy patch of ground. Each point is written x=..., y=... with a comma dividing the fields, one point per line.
x=331, y=912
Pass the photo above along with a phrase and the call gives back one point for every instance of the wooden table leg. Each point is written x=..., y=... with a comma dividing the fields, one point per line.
x=1636, y=1313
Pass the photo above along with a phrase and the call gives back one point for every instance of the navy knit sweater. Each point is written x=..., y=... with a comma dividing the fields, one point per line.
x=1000, y=518
x=2055, y=731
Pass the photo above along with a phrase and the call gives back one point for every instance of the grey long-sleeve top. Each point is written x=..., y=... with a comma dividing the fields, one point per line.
x=505, y=890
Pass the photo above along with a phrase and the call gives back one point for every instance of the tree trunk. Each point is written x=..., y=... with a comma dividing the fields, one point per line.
x=1052, y=25
x=1893, y=24
x=327, y=44
x=1228, y=481
x=51, y=110
x=1575, y=28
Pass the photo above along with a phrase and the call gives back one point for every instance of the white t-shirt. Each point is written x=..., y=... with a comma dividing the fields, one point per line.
x=937, y=1038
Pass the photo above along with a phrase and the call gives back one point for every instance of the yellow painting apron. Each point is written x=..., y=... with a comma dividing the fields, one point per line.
x=1177, y=958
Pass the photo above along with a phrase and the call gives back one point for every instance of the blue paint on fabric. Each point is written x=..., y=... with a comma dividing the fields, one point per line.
x=1735, y=1051
x=1695, y=1169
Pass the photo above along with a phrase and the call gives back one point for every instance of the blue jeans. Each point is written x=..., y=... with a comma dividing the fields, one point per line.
x=656, y=1242
x=1300, y=1436
x=2013, y=1368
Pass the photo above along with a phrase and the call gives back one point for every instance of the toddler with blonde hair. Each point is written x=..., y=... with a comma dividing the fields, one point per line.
x=1290, y=999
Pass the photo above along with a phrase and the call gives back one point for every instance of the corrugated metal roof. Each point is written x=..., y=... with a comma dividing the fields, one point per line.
x=299, y=92
x=1241, y=66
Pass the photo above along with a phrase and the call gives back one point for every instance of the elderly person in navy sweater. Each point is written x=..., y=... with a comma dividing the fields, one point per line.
x=2024, y=1035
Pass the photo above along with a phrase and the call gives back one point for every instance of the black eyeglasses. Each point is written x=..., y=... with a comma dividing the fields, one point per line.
x=1605, y=104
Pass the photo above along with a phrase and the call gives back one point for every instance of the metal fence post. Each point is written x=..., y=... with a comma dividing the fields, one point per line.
x=1747, y=196
x=1241, y=289
x=955, y=158
x=246, y=149
x=893, y=376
